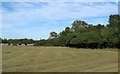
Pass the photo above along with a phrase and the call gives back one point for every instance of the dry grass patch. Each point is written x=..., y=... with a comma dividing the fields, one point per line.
x=58, y=59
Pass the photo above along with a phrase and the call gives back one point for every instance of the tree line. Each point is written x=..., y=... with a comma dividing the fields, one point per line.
x=81, y=35
x=14, y=42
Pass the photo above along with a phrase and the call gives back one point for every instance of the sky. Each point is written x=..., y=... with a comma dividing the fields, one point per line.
x=37, y=19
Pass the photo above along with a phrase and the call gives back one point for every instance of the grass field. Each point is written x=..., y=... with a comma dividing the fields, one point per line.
x=58, y=59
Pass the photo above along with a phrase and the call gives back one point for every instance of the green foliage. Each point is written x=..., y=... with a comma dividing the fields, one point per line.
x=81, y=35
x=42, y=42
x=53, y=35
x=14, y=44
x=4, y=41
x=76, y=25
x=0, y=40
x=18, y=41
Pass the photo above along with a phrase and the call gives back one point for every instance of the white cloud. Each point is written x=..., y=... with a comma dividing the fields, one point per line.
x=52, y=12
x=59, y=0
x=26, y=12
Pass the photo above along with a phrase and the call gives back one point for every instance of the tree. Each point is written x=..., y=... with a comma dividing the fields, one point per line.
x=114, y=21
x=0, y=40
x=76, y=25
x=4, y=41
x=68, y=30
x=114, y=24
x=53, y=35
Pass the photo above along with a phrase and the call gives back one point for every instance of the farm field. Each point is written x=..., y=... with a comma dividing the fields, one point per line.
x=58, y=59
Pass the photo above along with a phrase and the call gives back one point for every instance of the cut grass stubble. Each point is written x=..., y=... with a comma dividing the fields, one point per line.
x=58, y=59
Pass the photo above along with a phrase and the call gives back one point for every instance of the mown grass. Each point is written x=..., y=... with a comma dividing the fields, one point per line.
x=58, y=59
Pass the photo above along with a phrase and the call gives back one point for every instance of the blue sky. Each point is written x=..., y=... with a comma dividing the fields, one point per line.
x=37, y=19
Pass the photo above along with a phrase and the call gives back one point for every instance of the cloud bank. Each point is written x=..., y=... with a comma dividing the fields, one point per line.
x=59, y=0
x=37, y=19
